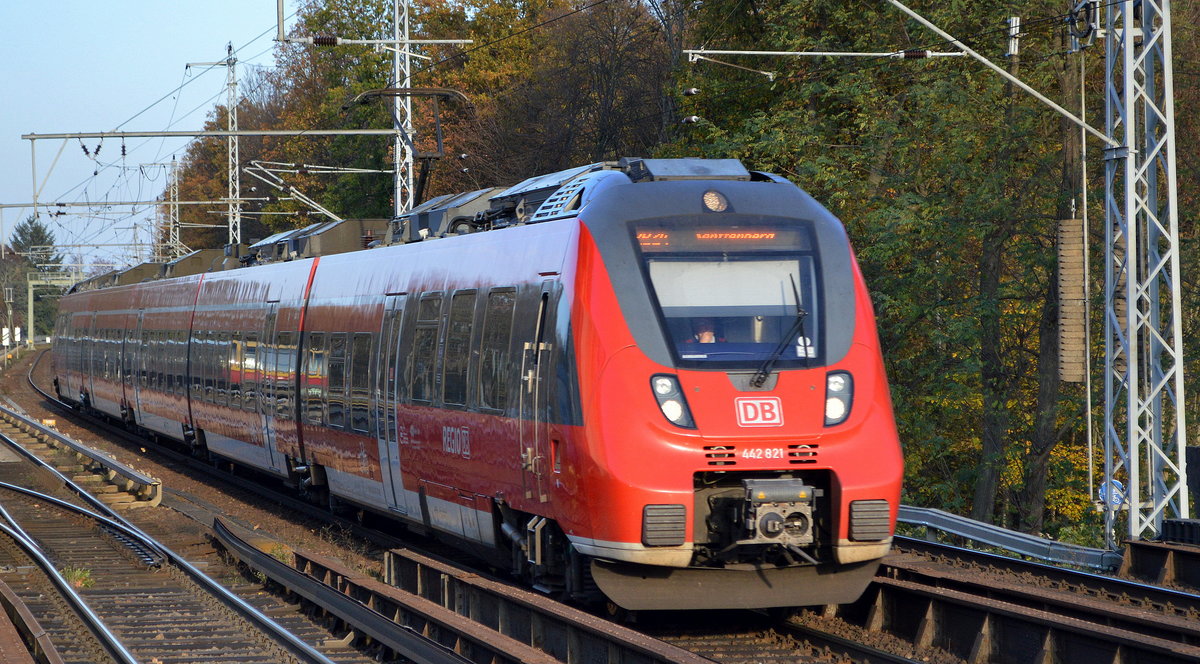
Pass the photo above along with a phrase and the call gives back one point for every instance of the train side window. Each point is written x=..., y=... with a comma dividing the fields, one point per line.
x=315, y=379
x=360, y=382
x=495, y=344
x=337, y=380
x=423, y=362
x=457, y=350
x=285, y=372
x=250, y=371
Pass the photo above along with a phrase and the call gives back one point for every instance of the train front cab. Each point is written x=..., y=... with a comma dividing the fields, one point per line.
x=741, y=434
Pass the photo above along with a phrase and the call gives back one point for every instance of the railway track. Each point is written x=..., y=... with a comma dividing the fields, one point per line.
x=982, y=607
x=585, y=637
x=106, y=591
x=923, y=606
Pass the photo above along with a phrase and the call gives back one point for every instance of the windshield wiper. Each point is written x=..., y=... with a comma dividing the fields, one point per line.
x=797, y=327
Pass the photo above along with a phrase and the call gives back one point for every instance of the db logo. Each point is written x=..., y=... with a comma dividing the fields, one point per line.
x=759, y=411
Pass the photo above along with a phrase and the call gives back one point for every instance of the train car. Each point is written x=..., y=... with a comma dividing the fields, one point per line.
x=655, y=379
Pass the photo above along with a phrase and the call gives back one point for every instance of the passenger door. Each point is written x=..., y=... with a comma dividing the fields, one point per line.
x=268, y=361
x=135, y=353
x=94, y=349
x=534, y=398
x=386, y=383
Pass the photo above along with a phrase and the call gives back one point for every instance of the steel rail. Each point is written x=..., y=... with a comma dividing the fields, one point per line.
x=129, y=532
x=150, y=488
x=631, y=647
x=843, y=647
x=280, y=636
x=1099, y=584
x=41, y=646
x=104, y=636
x=400, y=638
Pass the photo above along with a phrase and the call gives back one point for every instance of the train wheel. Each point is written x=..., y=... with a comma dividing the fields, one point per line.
x=619, y=615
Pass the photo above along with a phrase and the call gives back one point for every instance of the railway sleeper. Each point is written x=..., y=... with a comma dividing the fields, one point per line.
x=109, y=487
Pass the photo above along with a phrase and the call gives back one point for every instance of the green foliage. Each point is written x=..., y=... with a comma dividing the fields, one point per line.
x=32, y=249
x=949, y=181
x=943, y=177
x=33, y=240
x=78, y=577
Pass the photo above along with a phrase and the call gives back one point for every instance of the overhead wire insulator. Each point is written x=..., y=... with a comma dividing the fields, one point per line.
x=914, y=54
x=325, y=40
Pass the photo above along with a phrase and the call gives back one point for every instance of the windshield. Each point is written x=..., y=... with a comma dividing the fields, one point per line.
x=730, y=304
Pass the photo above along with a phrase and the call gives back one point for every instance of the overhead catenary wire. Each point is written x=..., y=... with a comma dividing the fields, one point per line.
x=104, y=167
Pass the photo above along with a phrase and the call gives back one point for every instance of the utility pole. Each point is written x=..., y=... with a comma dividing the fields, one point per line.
x=10, y=333
x=1144, y=432
x=59, y=280
x=234, y=185
x=400, y=44
x=172, y=247
x=403, y=197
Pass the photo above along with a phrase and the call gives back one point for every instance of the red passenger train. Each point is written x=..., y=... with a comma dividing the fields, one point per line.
x=658, y=379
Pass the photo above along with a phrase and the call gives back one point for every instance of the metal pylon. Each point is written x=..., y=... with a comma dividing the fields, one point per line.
x=403, y=196
x=1144, y=432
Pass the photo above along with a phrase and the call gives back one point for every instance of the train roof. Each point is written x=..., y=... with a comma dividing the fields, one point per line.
x=542, y=198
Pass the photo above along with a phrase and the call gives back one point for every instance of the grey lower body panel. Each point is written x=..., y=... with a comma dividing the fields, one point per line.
x=650, y=588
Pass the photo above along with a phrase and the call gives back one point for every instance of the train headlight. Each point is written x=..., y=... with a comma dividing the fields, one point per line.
x=673, y=410
x=671, y=400
x=839, y=395
x=835, y=411
x=715, y=201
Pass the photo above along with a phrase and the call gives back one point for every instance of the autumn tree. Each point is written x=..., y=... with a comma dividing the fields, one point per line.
x=949, y=185
x=33, y=249
x=949, y=181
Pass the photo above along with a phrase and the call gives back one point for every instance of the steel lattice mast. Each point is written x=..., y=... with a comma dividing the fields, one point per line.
x=232, y=153
x=1144, y=432
x=404, y=196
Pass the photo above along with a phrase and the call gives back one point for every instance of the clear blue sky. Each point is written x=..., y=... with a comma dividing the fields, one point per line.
x=83, y=65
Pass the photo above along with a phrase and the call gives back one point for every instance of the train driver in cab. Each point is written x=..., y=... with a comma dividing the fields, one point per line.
x=704, y=331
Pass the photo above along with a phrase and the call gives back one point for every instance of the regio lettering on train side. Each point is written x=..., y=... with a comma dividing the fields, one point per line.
x=456, y=441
